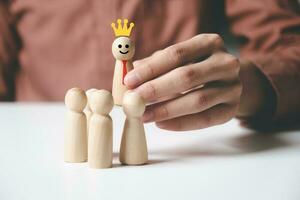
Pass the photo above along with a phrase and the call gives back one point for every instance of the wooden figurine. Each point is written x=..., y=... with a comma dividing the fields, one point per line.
x=100, y=130
x=75, y=148
x=123, y=50
x=88, y=112
x=133, y=149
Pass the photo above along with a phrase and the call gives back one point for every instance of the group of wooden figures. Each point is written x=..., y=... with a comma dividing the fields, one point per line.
x=89, y=130
x=88, y=134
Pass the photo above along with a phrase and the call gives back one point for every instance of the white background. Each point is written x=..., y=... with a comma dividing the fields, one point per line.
x=224, y=162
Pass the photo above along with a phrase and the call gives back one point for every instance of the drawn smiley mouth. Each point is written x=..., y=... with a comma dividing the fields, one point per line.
x=123, y=52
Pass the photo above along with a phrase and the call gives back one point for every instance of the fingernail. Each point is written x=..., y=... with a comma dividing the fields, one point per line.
x=148, y=116
x=131, y=79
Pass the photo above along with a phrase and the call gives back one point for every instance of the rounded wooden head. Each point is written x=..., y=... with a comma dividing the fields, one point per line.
x=101, y=102
x=75, y=99
x=133, y=104
x=89, y=95
x=123, y=48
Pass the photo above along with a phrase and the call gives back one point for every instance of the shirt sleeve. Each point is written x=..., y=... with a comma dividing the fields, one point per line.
x=269, y=34
x=8, y=52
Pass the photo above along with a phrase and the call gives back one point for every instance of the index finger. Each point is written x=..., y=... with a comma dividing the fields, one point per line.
x=172, y=57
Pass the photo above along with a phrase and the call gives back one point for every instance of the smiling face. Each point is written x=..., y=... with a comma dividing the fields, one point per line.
x=123, y=48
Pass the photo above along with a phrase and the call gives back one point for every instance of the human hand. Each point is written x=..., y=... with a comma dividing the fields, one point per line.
x=190, y=85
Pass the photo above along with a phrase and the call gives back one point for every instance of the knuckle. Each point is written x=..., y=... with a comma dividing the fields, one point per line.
x=186, y=76
x=233, y=100
x=137, y=63
x=206, y=36
x=232, y=61
x=157, y=52
x=201, y=100
x=150, y=71
x=217, y=40
x=201, y=37
x=145, y=69
x=176, y=55
x=151, y=89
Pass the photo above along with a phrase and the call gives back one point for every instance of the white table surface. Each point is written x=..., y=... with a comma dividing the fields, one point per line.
x=223, y=162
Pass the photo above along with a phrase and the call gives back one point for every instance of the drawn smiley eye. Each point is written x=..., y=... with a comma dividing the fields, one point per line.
x=127, y=46
x=120, y=46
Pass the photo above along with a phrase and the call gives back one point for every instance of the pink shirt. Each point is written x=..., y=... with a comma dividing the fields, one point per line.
x=67, y=43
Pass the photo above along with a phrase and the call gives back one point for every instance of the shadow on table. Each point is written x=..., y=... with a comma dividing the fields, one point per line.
x=150, y=162
x=254, y=143
x=229, y=146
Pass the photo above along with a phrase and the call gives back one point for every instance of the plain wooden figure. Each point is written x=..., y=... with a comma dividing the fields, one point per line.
x=88, y=112
x=75, y=149
x=133, y=149
x=123, y=50
x=100, y=130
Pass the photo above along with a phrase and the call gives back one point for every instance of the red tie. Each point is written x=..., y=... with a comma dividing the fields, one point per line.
x=124, y=70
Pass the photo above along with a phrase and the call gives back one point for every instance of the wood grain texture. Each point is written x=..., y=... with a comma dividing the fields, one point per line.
x=133, y=150
x=75, y=147
x=100, y=143
x=123, y=49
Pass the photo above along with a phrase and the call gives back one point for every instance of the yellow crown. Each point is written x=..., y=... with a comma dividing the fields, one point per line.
x=122, y=31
